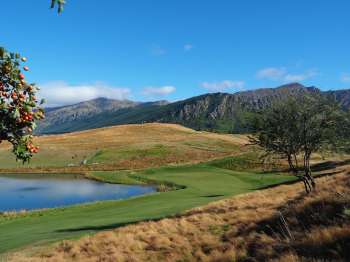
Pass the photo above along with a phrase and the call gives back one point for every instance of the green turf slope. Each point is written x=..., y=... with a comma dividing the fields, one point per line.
x=203, y=183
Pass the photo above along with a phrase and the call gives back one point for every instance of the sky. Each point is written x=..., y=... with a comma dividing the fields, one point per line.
x=147, y=50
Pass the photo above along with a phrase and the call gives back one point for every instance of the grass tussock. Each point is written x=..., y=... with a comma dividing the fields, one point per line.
x=277, y=224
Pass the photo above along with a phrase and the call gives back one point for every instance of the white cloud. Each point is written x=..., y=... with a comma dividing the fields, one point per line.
x=223, y=85
x=345, y=78
x=60, y=93
x=282, y=74
x=272, y=73
x=188, y=47
x=158, y=91
x=300, y=77
x=158, y=51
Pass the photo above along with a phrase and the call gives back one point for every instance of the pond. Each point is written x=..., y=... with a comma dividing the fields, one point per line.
x=28, y=192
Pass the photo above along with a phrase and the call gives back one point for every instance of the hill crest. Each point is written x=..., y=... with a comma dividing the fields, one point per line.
x=222, y=112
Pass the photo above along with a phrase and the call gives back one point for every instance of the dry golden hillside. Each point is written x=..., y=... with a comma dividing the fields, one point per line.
x=128, y=146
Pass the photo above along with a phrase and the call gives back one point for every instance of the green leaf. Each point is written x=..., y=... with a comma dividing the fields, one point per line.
x=16, y=113
x=53, y=3
x=33, y=125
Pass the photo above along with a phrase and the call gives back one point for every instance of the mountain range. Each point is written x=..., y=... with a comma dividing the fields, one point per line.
x=222, y=112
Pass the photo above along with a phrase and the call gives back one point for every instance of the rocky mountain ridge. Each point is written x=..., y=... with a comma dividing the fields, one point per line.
x=222, y=112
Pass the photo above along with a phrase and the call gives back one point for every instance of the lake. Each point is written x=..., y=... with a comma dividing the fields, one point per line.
x=28, y=192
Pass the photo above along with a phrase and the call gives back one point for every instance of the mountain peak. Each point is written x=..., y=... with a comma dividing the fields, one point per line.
x=102, y=99
x=294, y=85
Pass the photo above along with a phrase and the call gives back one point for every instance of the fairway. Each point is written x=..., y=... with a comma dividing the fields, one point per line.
x=202, y=183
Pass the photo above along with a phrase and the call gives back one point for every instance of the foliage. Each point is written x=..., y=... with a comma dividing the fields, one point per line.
x=300, y=126
x=59, y=3
x=18, y=106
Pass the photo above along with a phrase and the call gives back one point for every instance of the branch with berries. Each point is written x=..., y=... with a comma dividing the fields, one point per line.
x=19, y=107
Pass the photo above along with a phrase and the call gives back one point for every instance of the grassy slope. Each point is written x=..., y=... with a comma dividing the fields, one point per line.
x=204, y=183
x=243, y=228
x=127, y=147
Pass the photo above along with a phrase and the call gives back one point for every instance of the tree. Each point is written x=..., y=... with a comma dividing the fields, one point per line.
x=296, y=128
x=18, y=106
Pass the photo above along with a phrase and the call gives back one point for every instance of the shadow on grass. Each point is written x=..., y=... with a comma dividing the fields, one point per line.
x=94, y=228
x=296, y=180
x=319, y=167
x=329, y=165
x=107, y=227
x=318, y=215
x=213, y=196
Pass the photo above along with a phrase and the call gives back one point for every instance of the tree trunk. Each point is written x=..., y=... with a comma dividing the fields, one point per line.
x=296, y=162
x=293, y=166
x=307, y=185
x=308, y=179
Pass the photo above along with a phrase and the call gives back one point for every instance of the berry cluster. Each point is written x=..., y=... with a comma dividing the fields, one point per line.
x=32, y=149
x=19, y=108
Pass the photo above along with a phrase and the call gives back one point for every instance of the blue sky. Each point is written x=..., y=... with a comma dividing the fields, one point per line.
x=174, y=49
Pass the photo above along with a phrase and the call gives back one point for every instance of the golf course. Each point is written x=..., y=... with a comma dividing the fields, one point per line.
x=181, y=185
x=174, y=131
x=201, y=184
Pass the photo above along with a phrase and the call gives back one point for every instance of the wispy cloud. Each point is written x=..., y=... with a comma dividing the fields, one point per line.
x=301, y=77
x=282, y=74
x=59, y=93
x=188, y=47
x=158, y=91
x=158, y=50
x=345, y=78
x=272, y=73
x=223, y=85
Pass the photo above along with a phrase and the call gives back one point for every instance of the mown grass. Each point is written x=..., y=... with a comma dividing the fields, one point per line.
x=279, y=224
x=202, y=183
x=117, y=177
x=117, y=154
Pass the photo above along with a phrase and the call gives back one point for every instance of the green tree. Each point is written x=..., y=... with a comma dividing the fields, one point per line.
x=298, y=127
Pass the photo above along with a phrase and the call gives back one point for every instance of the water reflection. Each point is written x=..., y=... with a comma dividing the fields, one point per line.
x=18, y=192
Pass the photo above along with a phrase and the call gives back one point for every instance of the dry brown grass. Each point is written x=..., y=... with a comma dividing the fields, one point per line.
x=128, y=145
x=243, y=228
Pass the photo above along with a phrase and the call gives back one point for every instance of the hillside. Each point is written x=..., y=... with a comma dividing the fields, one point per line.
x=221, y=112
x=127, y=146
x=61, y=117
x=244, y=228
